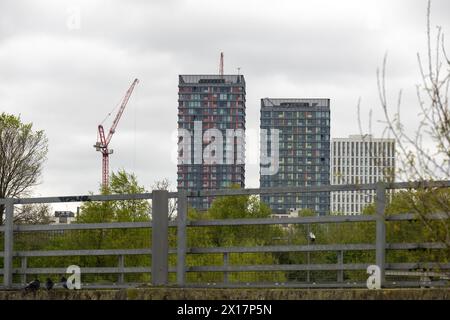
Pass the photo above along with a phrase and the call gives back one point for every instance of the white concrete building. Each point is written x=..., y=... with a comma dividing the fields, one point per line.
x=63, y=217
x=359, y=160
x=292, y=213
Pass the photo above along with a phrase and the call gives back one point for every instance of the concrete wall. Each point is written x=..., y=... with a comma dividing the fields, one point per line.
x=230, y=294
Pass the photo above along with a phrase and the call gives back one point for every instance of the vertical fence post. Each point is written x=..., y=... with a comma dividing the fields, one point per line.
x=160, y=237
x=340, y=261
x=9, y=245
x=308, y=255
x=23, y=266
x=381, y=230
x=121, y=265
x=226, y=262
x=181, y=237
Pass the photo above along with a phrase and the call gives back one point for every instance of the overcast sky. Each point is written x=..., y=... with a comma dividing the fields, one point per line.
x=65, y=77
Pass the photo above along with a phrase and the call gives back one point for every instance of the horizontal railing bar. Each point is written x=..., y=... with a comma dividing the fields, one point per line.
x=409, y=284
x=310, y=220
x=279, y=190
x=409, y=246
x=280, y=267
x=276, y=285
x=87, y=286
x=401, y=217
x=89, y=270
x=417, y=274
x=88, y=252
x=63, y=253
x=346, y=284
x=110, y=286
x=316, y=247
x=83, y=226
x=417, y=265
x=415, y=217
x=212, y=250
x=286, y=248
x=83, y=198
x=273, y=221
x=418, y=184
x=88, y=198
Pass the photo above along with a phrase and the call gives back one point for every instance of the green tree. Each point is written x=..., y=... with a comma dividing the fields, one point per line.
x=112, y=211
x=23, y=152
x=117, y=211
x=422, y=203
x=234, y=207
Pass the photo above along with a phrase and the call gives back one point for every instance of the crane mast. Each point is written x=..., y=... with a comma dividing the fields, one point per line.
x=102, y=145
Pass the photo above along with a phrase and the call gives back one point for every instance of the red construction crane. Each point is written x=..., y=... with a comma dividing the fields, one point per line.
x=103, y=142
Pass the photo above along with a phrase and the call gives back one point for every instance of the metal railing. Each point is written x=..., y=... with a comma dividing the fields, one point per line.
x=158, y=243
x=158, y=250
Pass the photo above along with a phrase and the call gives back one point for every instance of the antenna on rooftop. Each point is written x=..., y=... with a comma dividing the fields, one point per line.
x=221, y=64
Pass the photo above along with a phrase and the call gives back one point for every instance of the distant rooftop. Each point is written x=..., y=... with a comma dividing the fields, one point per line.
x=211, y=78
x=64, y=214
x=364, y=137
x=293, y=102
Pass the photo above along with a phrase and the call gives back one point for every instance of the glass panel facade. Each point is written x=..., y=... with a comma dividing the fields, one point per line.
x=219, y=103
x=304, y=154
